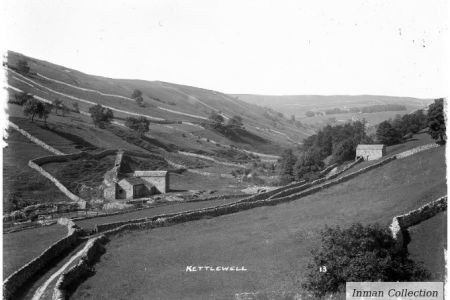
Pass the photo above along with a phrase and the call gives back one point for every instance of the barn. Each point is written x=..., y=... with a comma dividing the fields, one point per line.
x=370, y=151
x=134, y=187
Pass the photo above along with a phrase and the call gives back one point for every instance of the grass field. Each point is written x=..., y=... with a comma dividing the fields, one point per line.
x=22, y=185
x=273, y=243
x=158, y=210
x=22, y=246
x=428, y=241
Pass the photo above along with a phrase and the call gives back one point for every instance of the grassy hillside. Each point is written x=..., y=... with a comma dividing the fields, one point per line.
x=22, y=185
x=162, y=101
x=273, y=243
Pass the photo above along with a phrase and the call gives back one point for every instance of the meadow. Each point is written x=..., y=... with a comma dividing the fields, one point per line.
x=273, y=243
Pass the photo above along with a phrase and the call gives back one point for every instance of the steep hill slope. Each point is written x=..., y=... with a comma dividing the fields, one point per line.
x=163, y=102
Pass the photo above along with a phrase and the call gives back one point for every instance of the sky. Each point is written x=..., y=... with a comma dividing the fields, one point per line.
x=381, y=47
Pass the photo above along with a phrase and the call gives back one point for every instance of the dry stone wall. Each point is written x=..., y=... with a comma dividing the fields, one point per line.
x=59, y=185
x=75, y=274
x=34, y=139
x=18, y=279
x=186, y=216
x=417, y=150
x=400, y=224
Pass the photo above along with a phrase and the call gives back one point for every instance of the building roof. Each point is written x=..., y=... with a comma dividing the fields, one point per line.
x=150, y=173
x=133, y=180
x=370, y=147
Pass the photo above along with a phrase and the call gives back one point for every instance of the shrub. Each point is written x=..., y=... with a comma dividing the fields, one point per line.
x=359, y=253
x=101, y=115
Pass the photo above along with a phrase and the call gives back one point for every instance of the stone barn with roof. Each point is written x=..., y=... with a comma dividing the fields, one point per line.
x=371, y=151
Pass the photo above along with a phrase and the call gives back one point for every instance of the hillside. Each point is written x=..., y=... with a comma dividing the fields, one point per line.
x=183, y=106
x=298, y=105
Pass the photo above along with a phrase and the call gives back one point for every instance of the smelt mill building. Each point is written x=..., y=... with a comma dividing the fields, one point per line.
x=370, y=152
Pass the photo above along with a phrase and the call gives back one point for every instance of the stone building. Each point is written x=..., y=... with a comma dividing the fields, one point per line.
x=160, y=179
x=370, y=152
x=134, y=187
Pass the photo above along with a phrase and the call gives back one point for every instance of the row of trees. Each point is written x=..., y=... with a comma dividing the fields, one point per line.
x=338, y=143
x=403, y=127
x=100, y=115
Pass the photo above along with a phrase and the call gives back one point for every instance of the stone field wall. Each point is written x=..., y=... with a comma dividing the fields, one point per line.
x=18, y=279
x=401, y=223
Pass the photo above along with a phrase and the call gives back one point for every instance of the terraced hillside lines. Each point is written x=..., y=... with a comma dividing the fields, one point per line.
x=273, y=243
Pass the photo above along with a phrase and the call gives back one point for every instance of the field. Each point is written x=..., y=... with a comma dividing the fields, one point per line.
x=22, y=246
x=158, y=210
x=22, y=185
x=273, y=243
x=429, y=239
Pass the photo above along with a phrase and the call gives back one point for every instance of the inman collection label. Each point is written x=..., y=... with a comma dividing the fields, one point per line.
x=395, y=290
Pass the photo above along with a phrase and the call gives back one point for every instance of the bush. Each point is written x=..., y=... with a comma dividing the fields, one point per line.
x=101, y=115
x=359, y=253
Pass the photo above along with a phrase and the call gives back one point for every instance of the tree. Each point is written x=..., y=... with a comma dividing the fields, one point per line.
x=235, y=121
x=287, y=162
x=140, y=125
x=358, y=253
x=344, y=151
x=47, y=110
x=21, y=98
x=65, y=110
x=101, y=115
x=35, y=108
x=137, y=96
x=76, y=108
x=436, y=120
x=308, y=166
x=22, y=66
x=216, y=118
x=310, y=114
x=387, y=134
x=57, y=103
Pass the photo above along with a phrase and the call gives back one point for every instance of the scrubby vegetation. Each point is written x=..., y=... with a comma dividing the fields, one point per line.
x=358, y=253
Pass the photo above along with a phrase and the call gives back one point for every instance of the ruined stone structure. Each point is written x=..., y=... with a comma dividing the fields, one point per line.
x=139, y=184
x=370, y=152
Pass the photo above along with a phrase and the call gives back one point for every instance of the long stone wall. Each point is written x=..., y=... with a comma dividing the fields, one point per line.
x=400, y=224
x=416, y=150
x=59, y=185
x=76, y=273
x=16, y=281
x=34, y=139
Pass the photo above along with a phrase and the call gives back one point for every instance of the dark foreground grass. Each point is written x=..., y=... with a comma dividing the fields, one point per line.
x=22, y=246
x=273, y=243
x=428, y=241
